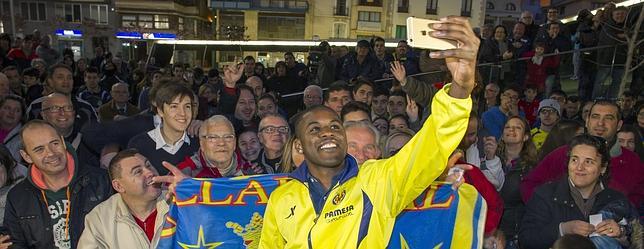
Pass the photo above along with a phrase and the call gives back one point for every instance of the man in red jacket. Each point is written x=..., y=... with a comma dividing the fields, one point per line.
x=604, y=120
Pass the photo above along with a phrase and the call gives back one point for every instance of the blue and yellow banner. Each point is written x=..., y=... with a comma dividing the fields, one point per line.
x=228, y=213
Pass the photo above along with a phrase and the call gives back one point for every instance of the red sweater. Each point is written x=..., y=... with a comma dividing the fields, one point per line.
x=494, y=202
x=530, y=109
x=626, y=174
x=537, y=73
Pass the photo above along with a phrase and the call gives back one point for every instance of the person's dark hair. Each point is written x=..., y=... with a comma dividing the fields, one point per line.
x=269, y=97
x=541, y=45
x=400, y=116
x=514, y=87
x=337, y=86
x=168, y=92
x=399, y=93
x=355, y=106
x=28, y=38
x=18, y=99
x=280, y=64
x=6, y=37
x=361, y=82
x=630, y=94
x=379, y=91
x=288, y=53
x=601, y=145
x=299, y=120
x=573, y=99
x=377, y=39
x=559, y=92
x=605, y=102
x=178, y=65
x=639, y=148
x=249, y=58
x=9, y=68
x=573, y=241
x=53, y=68
x=91, y=70
x=9, y=164
x=31, y=72
x=561, y=134
x=500, y=26
x=114, y=169
x=245, y=88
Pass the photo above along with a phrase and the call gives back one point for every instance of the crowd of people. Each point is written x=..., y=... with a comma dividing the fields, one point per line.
x=75, y=132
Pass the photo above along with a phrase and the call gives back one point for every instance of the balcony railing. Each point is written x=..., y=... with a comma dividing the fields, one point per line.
x=340, y=11
x=297, y=6
x=377, y=3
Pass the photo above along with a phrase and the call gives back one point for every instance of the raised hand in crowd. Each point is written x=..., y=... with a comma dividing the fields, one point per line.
x=193, y=128
x=460, y=61
x=412, y=110
x=399, y=72
x=507, y=55
x=489, y=147
x=175, y=176
x=456, y=179
x=232, y=74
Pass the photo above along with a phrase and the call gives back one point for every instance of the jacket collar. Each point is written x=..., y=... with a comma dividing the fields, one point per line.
x=123, y=212
x=350, y=170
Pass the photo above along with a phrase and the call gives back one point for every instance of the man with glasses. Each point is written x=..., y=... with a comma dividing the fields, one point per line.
x=495, y=117
x=549, y=114
x=217, y=155
x=58, y=110
x=273, y=134
x=552, y=16
x=625, y=169
x=531, y=28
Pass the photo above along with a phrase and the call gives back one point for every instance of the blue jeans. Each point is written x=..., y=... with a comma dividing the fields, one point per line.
x=616, y=78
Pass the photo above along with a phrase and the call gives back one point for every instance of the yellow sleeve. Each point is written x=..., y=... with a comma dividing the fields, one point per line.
x=393, y=183
x=271, y=236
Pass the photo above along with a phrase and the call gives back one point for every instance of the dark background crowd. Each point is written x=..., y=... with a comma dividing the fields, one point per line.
x=238, y=120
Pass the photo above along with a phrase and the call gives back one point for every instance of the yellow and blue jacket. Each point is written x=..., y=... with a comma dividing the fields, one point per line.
x=362, y=206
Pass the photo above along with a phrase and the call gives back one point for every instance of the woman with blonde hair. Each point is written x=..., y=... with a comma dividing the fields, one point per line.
x=292, y=156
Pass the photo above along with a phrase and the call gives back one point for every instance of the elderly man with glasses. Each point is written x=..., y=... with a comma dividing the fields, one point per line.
x=217, y=155
x=273, y=134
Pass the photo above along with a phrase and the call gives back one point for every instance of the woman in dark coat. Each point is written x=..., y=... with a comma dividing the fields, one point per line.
x=565, y=206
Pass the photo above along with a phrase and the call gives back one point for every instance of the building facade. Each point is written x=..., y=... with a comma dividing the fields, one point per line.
x=571, y=7
x=79, y=25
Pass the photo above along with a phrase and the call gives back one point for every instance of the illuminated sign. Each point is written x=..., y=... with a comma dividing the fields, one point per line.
x=69, y=32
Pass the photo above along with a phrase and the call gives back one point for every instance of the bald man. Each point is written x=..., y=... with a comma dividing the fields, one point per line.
x=58, y=110
x=119, y=107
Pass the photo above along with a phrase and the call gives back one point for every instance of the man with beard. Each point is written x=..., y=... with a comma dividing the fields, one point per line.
x=133, y=217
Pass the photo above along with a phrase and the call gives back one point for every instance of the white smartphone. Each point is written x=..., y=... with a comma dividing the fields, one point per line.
x=418, y=35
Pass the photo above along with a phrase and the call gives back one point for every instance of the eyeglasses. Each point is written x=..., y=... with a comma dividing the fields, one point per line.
x=54, y=109
x=214, y=138
x=273, y=129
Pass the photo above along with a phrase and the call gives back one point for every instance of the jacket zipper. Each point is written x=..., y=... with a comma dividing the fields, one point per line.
x=315, y=221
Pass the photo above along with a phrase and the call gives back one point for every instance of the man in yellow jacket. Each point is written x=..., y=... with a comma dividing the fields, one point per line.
x=330, y=203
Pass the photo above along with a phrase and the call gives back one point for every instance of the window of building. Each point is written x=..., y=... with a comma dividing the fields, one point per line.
x=368, y=16
x=371, y=2
x=128, y=21
x=98, y=12
x=4, y=7
x=69, y=12
x=403, y=6
x=510, y=7
x=278, y=26
x=181, y=26
x=33, y=11
x=341, y=8
x=161, y=22
x=432, y=7
x=401, y=32
x=339, y=30
x=466, y=7
x=489, y=5
x=146, y=21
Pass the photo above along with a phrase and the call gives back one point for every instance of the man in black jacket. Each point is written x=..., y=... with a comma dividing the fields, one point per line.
x=47, y=210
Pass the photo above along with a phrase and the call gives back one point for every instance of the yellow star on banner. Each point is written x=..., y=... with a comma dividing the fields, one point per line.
x=404, y=245
x=201, y=242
